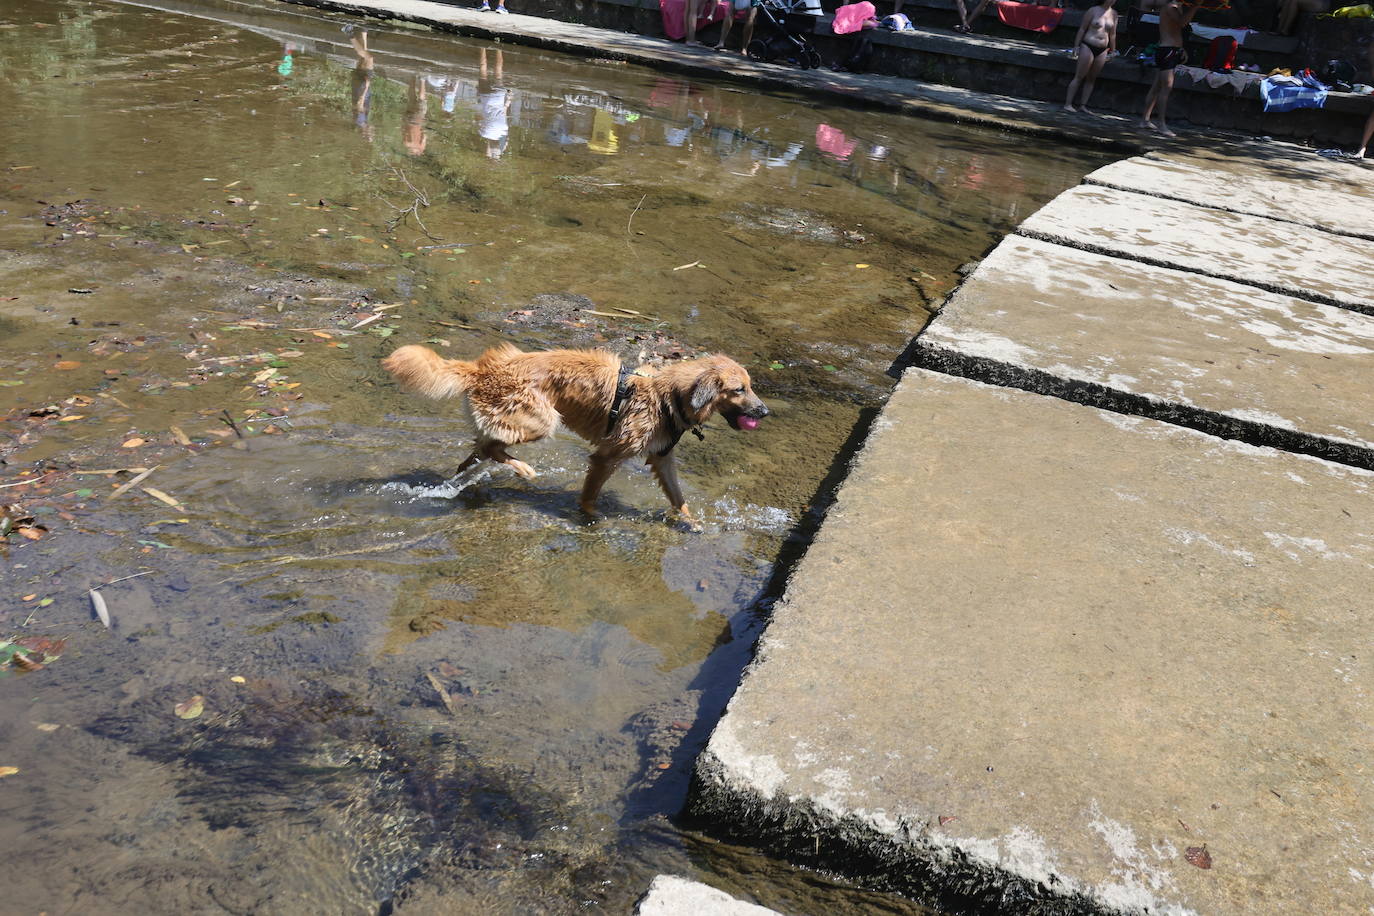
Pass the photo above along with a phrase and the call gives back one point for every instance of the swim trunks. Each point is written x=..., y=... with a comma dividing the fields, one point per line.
x=1168, y=58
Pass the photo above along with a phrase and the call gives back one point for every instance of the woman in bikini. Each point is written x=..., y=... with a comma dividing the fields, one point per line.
x=1096, y=42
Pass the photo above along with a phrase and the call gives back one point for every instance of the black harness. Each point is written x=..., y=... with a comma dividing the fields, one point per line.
x=623, y=390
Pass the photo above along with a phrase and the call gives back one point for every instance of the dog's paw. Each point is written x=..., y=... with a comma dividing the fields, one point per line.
x=523, y=469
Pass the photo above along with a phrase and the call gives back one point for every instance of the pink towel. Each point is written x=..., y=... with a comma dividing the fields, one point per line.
x=1029, y=16
x=675, y=16
x=852, y=16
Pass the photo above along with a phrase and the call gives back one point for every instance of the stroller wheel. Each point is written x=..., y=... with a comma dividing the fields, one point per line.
x=758, y=50
x=811, y=59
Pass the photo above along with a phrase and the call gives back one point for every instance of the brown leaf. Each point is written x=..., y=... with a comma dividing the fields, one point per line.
x=946, y=818
x=1199, y=856
x=66, y=364
x=135, y=442
x=32, y=533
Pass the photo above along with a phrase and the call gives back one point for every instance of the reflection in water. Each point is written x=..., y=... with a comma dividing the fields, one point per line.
x=450, y=700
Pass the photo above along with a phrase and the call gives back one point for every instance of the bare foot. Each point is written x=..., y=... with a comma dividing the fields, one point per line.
x=1145, y=124
x=1068, y=107
x=1165, y=130
x=1083, y=109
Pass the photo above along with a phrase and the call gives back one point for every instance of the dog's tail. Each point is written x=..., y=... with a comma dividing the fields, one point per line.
x=425, y=372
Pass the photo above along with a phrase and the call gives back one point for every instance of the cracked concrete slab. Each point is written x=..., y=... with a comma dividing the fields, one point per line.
x=1335, y=196
x=1056, y=659
x=1280, y=257
x=670, y=895
x=1208, y=353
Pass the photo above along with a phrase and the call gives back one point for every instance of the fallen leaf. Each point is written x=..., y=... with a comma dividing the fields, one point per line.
x=192, y=708
x=101, y=611
x=32, y=533
x=860, y=266
x=71, y=417
x=132, y=443
x=162, y=497
x=29, y=597
x=180, y=436
x=1199, y=856
x=47, y=727
x=8, y=771
x=946, y=818
x=239, y=679
x=66, y=364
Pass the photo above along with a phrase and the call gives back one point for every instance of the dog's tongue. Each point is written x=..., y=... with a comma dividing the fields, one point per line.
x=747, y=422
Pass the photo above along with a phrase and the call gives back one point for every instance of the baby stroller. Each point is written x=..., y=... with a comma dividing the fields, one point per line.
x=785, y=24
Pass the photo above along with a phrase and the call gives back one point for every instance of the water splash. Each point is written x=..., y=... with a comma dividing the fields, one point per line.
x=731, y=516
x=449, y=489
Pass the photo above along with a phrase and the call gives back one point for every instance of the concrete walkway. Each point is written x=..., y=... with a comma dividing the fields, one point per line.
x=1046, y=657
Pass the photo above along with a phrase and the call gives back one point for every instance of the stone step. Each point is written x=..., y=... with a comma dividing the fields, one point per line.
x=1265, y=253
x=1046, y=658
x=670, y=895
x=1210, y=354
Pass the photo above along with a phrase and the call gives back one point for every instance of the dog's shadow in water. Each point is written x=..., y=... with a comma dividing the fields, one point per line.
x=405, y=494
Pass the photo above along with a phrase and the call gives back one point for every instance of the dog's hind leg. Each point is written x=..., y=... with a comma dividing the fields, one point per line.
x=665, y=471
x=496, y=451
x=600, y=471
x=475, y=458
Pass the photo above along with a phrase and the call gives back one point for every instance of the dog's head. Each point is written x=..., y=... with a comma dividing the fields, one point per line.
x=723, y=387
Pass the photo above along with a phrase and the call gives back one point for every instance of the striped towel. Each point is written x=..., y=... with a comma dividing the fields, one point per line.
x=1287, y=93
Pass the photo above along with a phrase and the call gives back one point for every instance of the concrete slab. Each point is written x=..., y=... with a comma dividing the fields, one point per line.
x=1207, y=353
x=1277, y=183
x=670, y=895
x=1061, y=660
x=1333, y=269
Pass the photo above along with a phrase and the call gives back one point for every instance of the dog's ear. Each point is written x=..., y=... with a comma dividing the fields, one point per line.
x=706, y=389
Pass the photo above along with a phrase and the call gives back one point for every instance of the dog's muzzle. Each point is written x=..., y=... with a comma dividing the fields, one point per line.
x=747, y=419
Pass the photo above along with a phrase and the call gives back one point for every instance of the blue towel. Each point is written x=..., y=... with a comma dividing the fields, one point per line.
x=1287, y=93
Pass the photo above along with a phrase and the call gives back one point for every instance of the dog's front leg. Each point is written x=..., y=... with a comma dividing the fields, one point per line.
x=600, y=471
x=665, y=471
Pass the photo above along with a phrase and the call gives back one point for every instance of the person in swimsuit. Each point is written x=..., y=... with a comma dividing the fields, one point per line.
x=1173, y=19
x=1095, y=44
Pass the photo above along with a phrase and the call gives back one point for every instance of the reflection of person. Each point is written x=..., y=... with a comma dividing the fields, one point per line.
x=1289, y=9
x=1095, y=44
x=493, y=106
x=413, y=125
x=740, y=6
x=1173, y=19
x=362, y=83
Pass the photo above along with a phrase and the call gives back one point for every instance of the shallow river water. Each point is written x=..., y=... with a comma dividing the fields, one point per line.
x=334, y=683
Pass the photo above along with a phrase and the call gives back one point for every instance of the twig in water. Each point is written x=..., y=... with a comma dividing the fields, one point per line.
x=421, y=199
x=20, y=483
x=633, y=212
x=229, y=421
x=146, y=572
x=137, y=480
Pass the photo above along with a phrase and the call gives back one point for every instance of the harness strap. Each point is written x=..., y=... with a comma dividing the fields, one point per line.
x=678, y=432
x=622, y=394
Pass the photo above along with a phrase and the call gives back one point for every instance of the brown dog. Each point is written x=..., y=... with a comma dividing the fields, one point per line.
x=517, y=397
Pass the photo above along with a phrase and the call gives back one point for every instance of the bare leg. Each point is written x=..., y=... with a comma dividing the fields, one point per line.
x=977, y=11
x=725, y=28
x=1150, y=100
x=749, y=29
x=665, y=471
x=599, y=471
x=1099, y=61
x=1368, y=132
x=1085, y=62
x=1162, y=102
x=691, y=12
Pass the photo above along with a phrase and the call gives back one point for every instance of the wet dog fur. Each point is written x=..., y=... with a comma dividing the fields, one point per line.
x=516, y=397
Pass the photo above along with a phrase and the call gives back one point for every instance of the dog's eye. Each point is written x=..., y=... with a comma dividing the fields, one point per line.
x=739, y=390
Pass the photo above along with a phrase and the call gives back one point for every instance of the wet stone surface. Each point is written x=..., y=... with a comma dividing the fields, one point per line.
x=411, y=696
